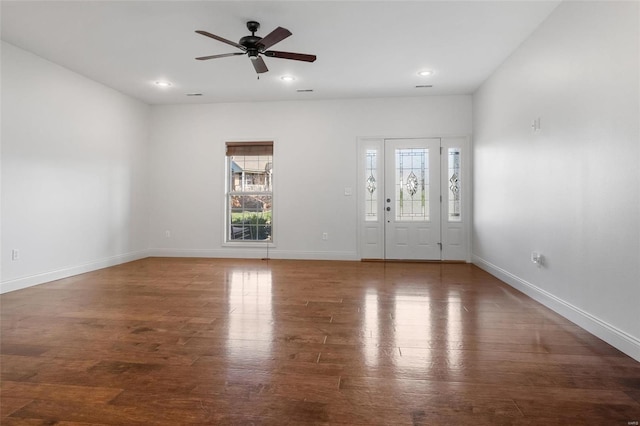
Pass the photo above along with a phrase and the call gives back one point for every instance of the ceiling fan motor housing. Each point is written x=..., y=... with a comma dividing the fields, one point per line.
x=250, y=41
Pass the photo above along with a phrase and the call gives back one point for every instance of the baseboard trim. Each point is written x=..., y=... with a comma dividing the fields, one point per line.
x=599, y=328
x=44, y=277
x=254, y=253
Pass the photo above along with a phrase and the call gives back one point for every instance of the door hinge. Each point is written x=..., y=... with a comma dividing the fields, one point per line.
x=441, y=198
x=440, y=150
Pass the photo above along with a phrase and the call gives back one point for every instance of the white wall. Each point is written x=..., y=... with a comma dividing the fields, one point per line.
x=570, y=191
x=314, y=161
x=74, y=172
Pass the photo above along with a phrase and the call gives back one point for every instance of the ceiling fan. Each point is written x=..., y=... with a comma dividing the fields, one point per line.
x=254, y=46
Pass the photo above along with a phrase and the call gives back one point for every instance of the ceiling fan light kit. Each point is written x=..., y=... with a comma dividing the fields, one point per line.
x=255, y=47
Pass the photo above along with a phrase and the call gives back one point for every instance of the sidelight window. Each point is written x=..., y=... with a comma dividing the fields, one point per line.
x=454, y=185
x=371, y=185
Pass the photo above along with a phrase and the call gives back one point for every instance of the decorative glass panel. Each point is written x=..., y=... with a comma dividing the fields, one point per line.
x=371, y=185
x=454, y=185
x=412, y=184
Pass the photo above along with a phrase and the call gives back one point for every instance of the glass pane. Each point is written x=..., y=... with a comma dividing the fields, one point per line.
x=412, y=184
x=250, y=217
x=454, y=185
x=371, y=186
x=250, y=173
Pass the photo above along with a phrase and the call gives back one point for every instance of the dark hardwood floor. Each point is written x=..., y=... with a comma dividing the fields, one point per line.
x=213, y=341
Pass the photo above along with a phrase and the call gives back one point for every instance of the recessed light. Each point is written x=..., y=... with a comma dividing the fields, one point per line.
x=287, y=78
x=163, y=83
x=425, y=73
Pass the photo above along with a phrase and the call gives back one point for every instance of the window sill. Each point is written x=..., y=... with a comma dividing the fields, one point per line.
x=248, y=244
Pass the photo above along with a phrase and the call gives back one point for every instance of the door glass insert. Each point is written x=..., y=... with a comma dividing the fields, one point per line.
x=412, y=184
x=454, y=185
x=371, y=185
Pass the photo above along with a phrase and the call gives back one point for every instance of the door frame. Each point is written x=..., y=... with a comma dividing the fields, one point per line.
x=370, y=234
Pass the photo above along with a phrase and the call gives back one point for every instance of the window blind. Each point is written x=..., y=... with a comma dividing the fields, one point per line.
x=250, y=148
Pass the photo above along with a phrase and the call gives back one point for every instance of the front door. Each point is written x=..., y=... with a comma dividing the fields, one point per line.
x=412, y=199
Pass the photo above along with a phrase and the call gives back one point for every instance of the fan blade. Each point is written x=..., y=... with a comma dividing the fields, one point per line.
x=290, y=55
x=224, y=40
x=259, y=65
x=274, y=37
x=224, y=55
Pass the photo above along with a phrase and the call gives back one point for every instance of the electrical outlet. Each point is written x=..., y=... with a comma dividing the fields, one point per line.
x=15, y=254
x=167, y=234
x=537, y=258
x=325, y=236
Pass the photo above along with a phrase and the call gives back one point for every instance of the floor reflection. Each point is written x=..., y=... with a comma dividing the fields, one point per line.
x=250, y=323
x=413, y=329
x=454, y=330
x=371, y=328
x=427, y=332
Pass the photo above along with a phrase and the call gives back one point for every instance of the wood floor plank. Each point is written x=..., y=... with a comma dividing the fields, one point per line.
x=54, y=392
x=173, y=341
x=9, y=404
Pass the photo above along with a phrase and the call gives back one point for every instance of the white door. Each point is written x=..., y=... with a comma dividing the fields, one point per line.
x=412, y=199
x=430, y=223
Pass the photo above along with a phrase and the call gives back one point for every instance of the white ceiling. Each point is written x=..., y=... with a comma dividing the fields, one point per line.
x=364, y=48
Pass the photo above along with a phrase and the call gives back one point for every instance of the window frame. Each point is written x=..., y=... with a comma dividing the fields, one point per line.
x=245, y=148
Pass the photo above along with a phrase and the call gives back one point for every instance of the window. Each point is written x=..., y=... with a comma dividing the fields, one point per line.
x=249, y=193
x=412, y=184
x=454, y=185
x=371, y=181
